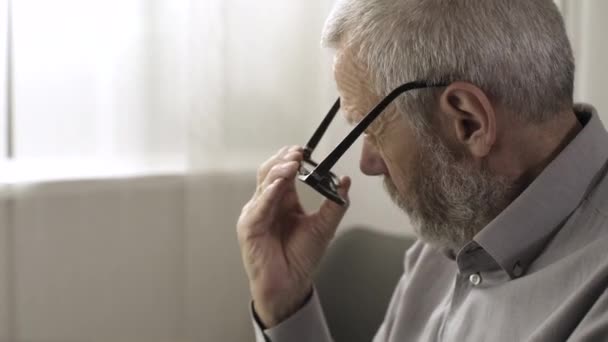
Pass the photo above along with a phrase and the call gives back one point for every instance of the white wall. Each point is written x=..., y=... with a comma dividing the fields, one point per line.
x=95, y=261
x=125, y=260
x=217, y=293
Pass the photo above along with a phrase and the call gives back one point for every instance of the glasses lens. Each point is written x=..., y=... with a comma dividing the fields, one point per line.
x=308, y=166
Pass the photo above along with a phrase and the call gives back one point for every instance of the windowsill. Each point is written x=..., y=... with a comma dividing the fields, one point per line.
x=42, y=170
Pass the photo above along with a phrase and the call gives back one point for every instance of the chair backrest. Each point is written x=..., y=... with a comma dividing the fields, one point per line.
x=356, y=280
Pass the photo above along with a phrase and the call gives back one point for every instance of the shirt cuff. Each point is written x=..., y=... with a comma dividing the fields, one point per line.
x=305, y=325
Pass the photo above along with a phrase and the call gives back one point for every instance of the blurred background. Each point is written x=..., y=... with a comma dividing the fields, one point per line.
x=130, y=132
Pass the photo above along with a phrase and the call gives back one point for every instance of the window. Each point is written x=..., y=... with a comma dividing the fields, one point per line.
x=167, y=84
x=95, y=84
x=4, y=113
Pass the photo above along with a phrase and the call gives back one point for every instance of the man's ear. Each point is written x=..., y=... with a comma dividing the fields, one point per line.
x=471, y=116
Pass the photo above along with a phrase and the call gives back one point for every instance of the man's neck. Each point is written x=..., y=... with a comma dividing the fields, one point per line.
x=530, y=148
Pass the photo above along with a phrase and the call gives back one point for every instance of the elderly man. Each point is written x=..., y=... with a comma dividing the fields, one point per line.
x=502, y=176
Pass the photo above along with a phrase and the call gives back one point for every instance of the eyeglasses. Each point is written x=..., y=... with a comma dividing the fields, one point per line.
x=319, y=176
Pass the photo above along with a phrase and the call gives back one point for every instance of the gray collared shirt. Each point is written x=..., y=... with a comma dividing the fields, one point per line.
x=537, y=272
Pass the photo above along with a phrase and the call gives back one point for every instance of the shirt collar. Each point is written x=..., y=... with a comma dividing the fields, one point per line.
x=515, y=238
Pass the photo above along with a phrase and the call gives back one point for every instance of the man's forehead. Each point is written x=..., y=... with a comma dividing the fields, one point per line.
x=346, y=61
x=356, y=91
x=353, y=86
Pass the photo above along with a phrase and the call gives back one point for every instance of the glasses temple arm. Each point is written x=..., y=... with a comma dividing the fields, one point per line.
x=339, y=151
x=316, y=137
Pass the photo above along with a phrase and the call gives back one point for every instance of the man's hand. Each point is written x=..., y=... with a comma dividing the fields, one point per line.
x=281, y=244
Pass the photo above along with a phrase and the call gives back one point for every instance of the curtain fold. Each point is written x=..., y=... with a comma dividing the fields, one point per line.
x=259, y=79
x=586, y=26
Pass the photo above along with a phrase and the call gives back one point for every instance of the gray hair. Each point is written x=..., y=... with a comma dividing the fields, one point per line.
x=517, y=51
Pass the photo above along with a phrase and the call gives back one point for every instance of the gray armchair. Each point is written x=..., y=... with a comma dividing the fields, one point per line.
x=356, y=280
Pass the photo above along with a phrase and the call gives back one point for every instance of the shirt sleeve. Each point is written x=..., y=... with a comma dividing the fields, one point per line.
x=306, y=325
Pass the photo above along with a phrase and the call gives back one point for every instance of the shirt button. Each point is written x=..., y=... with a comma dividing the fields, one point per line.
x=475, y=279
x=517, y=269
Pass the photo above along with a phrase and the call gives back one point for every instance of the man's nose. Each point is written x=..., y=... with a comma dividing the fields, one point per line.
x=371, y=162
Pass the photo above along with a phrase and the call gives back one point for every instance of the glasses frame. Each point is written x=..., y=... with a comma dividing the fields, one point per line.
x=321, y=178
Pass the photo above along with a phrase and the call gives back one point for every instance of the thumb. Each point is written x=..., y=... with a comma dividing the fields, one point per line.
x=331, y=213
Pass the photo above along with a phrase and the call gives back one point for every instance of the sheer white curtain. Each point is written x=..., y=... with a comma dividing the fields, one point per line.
x=259, y=78
x=100, y=83
x=207, y=84
x=3, y=78
x=585, y=20
x=201, y=84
